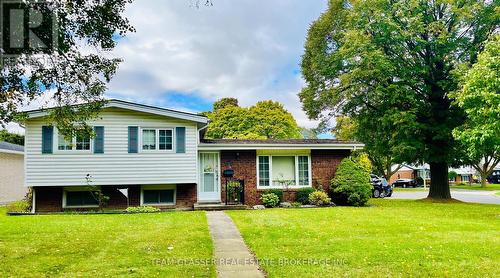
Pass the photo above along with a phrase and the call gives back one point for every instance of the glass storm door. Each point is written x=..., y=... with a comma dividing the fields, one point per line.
x=209, y=187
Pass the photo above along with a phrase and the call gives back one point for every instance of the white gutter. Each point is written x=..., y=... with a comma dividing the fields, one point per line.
x=214, y=146
x=202, y=128
x=11, y=152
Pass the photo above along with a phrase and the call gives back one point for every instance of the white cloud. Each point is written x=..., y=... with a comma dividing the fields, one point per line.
x=246, y=49
x=249, y=49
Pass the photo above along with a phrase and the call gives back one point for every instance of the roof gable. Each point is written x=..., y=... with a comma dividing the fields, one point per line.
x=140, y=108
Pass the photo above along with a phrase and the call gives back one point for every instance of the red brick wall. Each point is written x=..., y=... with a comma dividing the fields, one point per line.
x=134, y=196
x=49, y=199
x=402, y=174
x=324, y=163
x=244, y=165
x=116, y=199
x=186, y=195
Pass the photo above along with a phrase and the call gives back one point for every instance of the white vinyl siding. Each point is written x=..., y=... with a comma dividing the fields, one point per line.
x=115, y=166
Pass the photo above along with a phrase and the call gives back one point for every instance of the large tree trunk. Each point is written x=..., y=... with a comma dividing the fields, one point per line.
x=440, y=188
x=484, y=176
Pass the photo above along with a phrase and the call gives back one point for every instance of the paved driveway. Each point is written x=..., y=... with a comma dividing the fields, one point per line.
x=470, y=196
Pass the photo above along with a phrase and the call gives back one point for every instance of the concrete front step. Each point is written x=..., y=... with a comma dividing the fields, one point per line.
x=217, y=206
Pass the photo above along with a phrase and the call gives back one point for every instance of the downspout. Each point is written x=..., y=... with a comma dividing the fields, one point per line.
x=202, y=128
x=33, y=196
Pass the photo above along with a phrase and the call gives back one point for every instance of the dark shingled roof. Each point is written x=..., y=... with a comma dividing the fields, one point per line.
x=277, y=141
x=11, y=147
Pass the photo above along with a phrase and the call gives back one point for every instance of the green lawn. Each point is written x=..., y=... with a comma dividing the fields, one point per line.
x=476, y=186
x=105, y=245
x=391, y=238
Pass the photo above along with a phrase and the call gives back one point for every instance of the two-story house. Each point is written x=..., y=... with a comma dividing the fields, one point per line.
x=144, y=155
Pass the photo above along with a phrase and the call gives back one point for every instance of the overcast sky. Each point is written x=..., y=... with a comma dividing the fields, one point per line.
x=184, y=57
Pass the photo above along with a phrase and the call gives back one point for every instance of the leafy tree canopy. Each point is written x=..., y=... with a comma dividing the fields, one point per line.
x=13, y=138
x=265, y=120
x=389, y=65
x=76, y=72
x=479, y=96
x=379, y=146
x=225, y=102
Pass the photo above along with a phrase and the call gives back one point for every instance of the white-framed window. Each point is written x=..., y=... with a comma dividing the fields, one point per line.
x=165, y=138
x=149, y=139
x=80, y=198
x=82, y=143
x=77, y=143
x=465, y=178
x=158, y=195
x=278, y=171
x=154, y=139
x=63, y=144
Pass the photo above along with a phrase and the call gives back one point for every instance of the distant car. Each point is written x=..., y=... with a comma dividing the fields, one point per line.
x=494, y=177
x=380, y=187
x=404, y=183
x=374, y=179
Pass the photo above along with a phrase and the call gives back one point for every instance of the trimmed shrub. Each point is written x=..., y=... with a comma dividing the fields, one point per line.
x=142, y=209
x=351, y=184
x=303, y=195
x=19, y=206
x=270, y=200
x=277, y=191
x=296, y=205
x=319, y=198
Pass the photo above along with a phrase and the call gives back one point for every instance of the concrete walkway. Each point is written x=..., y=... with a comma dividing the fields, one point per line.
x=232, y=256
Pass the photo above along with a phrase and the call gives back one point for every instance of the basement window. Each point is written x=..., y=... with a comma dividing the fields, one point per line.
x=81, y=199
x=158, y=195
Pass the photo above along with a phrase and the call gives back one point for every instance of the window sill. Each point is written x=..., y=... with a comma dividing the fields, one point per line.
x=88, y=206
x=283, y=187
x=156, y=151
x=73, y=152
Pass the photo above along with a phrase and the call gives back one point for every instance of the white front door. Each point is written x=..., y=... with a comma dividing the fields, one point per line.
x=209, y=185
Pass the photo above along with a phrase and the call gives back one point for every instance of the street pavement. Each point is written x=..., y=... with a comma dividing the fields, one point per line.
x=469, y=196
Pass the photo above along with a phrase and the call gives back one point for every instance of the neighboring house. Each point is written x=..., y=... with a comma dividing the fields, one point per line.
x=404, y=172
x=11, y=172
x=144, y=155
x=465, y=174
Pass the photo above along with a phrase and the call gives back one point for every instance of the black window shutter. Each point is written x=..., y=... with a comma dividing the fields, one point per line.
x=47, y=139
x=180, y=141
x=132, y=139
x=99, y=139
